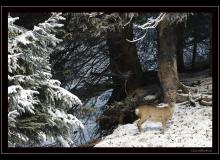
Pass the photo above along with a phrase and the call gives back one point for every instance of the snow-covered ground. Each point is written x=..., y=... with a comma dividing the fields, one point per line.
x=189, y=127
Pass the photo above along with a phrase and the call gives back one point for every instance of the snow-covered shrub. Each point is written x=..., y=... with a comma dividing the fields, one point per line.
x=37, y=105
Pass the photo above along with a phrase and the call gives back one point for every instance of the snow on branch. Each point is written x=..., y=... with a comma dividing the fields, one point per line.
x=66, y=122
x=12, y=28
x=12, y=115
x=151, y=23
x=12, y=62
x=55, y=92
x=12, y=20
x=22, y=100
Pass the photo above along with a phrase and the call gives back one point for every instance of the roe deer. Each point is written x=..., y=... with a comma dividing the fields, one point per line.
x=154, y=113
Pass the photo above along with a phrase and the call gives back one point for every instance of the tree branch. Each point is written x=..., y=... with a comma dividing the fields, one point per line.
x=151, y=23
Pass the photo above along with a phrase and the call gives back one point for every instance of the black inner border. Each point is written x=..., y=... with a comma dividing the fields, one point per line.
x=212, y=9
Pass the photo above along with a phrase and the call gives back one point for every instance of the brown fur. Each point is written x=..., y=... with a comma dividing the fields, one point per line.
x=153, y=113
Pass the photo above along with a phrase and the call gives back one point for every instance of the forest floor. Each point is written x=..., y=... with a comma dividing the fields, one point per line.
x=189, y=127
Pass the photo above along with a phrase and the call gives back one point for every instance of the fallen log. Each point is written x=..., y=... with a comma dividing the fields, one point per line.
x=194, y=99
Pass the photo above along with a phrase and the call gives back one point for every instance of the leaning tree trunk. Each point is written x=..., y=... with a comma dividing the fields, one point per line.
x=167, y=60
x=126, y=74
x=124, y=63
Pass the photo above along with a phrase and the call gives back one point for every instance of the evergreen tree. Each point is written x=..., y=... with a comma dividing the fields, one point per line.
x=38, y=108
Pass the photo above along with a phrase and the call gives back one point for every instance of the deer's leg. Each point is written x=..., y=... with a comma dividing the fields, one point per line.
x=164, y=126
x=140, y=122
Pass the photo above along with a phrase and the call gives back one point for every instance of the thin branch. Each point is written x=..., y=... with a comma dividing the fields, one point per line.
x=137, y=39
x=151, y=23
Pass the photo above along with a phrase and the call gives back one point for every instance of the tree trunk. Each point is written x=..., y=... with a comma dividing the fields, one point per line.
x=194, y=51
x=180, y=42
x=167, y=60
x=124, y=63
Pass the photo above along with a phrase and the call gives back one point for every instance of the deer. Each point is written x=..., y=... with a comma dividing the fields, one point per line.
x=154, y=113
